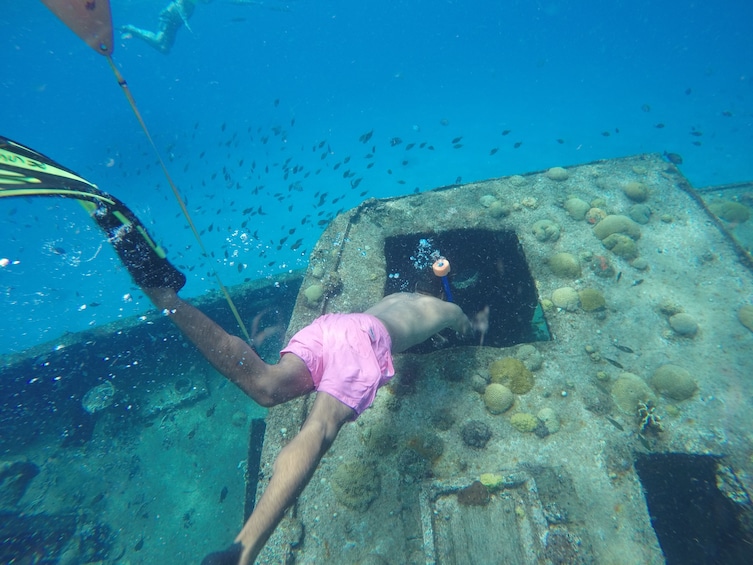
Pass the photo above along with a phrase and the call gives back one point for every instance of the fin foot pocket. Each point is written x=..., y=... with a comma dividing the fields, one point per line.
x=144, y=260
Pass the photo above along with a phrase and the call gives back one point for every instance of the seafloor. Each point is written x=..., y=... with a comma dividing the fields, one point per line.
x=160, y=472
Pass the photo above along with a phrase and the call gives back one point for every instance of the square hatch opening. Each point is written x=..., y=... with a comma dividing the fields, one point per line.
x=488, y=268
x=699, y=509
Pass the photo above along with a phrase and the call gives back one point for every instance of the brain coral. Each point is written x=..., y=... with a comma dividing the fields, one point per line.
x=617, y=224
x=745, y=315
x=636, y=191
x=674, y=382
x=621, y=245
x=356, y=484
x=566, y=298
x=591, y=299
x=524, y=422
x=565, y=265
x=498, y=398
x=628, y=390
x=513, y=373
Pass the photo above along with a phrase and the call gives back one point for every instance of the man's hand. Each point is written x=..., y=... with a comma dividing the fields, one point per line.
x=481, y=323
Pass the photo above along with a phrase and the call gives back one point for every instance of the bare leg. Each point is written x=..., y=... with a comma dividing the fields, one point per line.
x=293, y=469
x=156, y=40
x=268, y=385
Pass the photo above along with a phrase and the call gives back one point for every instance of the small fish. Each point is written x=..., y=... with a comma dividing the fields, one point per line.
x=410, y=146
x=613, y=362
x=211, y=410
x=619, y=276
x=457, y=140
x=673, y=158
x=659, y=125
x=395, y=141
x=457, y=146
x=606, y=133
x=615, y=423
x=727, y=114
x=223, y=494
x=646, y=108
x=560, y=141
x=139, y=544
x=638, y=282
x=624, y=348
x=505, y=132
x=494, y=150
x=696, y=133
x=517, y=144
x=366, y=136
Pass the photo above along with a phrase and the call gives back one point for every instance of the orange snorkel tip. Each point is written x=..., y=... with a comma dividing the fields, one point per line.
x=441, y=268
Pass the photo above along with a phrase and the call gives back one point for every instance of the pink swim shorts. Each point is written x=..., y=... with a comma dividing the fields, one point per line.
x=348, y=356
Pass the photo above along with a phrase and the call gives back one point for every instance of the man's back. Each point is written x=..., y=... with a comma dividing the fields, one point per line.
x=413, y=318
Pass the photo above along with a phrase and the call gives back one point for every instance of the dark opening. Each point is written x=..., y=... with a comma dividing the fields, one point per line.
x=695, y=521
x=253, y=469
x=488, y=268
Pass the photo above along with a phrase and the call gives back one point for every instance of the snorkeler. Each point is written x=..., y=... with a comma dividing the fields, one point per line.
x=171, y=19
x=344, y=358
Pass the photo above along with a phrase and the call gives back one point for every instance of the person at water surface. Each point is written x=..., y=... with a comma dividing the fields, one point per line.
x=174, y=16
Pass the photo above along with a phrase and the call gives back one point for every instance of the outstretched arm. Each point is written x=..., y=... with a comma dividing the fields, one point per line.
x=229, y=354
x=292, y=471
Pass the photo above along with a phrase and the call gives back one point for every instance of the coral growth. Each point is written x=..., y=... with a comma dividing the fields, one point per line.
x=512, y=373
x=474, y=495
x=647, y=419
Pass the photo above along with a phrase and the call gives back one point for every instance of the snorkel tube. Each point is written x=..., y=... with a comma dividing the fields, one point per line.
x=441, y=268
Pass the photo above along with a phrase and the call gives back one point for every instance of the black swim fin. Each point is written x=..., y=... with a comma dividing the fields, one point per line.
x=144, y=259
x=25, y=172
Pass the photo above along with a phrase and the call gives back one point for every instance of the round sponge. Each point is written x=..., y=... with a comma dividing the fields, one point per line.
x=674, y=382
x=628, y=390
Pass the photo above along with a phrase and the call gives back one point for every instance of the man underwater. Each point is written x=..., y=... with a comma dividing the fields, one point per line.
x=344, y=358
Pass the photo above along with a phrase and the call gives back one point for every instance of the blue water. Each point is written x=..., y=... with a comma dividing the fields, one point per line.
x=571, y=81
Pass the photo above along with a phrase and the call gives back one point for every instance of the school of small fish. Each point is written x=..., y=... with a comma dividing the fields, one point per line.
x=273, y=179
